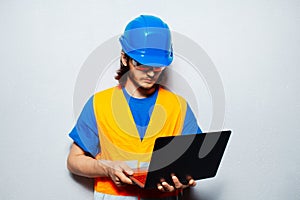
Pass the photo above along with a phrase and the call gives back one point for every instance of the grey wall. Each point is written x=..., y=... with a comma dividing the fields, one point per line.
x=254, y=46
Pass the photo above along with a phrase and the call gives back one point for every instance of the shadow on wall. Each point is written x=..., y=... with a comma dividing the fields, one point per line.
x=198, y=193
x=87, y=183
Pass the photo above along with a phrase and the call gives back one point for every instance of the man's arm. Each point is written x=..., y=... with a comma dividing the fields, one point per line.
x=81, y=164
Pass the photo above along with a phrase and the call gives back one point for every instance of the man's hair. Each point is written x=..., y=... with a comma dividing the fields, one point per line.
x=122, y=72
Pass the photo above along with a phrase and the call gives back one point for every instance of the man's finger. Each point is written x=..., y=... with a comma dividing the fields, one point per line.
x=176, y=182
x=168, y=187
x=123, y=178
x=126, y=169
x=160, y=187
x=192, y=183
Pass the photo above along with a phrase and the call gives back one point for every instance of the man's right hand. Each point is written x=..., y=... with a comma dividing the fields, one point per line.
x=81, y=164
x=118, y=171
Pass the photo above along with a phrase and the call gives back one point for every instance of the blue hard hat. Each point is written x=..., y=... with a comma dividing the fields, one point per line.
x=147, y=39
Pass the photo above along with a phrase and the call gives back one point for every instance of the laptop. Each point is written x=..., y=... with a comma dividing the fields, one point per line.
x=196, y=156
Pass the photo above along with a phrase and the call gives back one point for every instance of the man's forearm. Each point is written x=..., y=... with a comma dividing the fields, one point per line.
x=80, y=164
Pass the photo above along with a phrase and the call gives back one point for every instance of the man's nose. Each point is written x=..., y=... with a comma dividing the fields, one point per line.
x=150, y=73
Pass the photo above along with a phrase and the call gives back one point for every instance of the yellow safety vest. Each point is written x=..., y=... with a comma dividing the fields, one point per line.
x=119, y=137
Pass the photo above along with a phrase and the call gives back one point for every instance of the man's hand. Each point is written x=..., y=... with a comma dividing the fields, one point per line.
x=166, y=187
x=81, y=164
x=118, y=171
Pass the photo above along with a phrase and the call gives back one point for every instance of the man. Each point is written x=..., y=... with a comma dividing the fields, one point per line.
x=118, y=126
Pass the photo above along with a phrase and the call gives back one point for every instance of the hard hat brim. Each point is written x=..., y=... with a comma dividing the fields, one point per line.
x=160, y=58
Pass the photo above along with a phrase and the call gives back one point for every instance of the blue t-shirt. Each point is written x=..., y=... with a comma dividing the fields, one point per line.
x=141, y=110
x=85, y=132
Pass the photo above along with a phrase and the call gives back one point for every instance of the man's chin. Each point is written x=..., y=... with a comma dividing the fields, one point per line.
x=147, y=86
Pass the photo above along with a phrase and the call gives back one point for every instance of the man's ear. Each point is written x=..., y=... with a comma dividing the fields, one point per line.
x=124, y=58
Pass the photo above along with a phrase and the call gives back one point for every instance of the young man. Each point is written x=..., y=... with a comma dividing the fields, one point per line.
x=118, y=126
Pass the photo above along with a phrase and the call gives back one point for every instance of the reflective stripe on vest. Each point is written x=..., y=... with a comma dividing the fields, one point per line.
x=119, y=138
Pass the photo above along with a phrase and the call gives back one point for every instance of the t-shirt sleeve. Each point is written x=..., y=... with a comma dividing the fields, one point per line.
x=190, y=125
x=85, y=132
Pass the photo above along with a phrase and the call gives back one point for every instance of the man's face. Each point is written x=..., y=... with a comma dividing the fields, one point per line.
x=143, y=76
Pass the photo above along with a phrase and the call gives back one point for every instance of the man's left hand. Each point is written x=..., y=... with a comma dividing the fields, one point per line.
x=166, y=187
